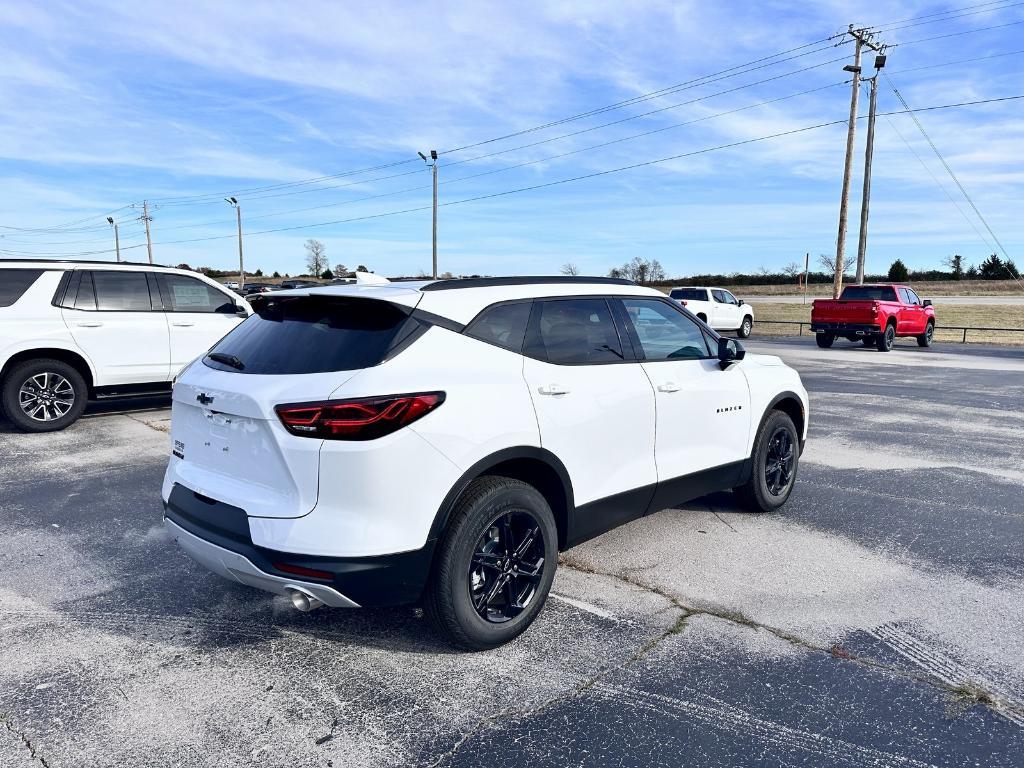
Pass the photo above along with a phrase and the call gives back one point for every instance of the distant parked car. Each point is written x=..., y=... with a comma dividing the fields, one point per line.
x=289, y=284
x=232, y=285
x=250, y=288
x=82, y=330
x=873, y=314
x=718, y=308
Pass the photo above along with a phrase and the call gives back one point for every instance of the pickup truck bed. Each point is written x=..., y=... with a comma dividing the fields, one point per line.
x=873, y=314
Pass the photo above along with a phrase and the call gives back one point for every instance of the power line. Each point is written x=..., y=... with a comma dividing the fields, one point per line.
x=888, y=29
x=958, y=34
x=944, y=13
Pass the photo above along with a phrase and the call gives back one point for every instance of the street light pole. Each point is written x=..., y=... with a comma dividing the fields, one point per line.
x=433, y=168
x=117, y=238
x=241, y=263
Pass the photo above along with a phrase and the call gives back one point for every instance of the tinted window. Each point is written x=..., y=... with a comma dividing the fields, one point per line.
x=869, y=293
x=503, y=325
x=186, y=294
x=14, y=283
x=721, y=297
x=664, y=332
x=689, y=294
x=313, y=335
x=914, y=298
x=121, y=291
x=573, y=331
x=729, y=298
x=85, y=296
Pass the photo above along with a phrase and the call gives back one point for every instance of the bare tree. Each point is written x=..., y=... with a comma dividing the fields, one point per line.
x=340, y=270
x=828, y=263
x=570, y=269
x=792, y=269
x=316, y=257
x=639, y=270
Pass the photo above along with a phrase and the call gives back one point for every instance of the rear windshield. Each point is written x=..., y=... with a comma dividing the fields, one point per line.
x=869, y=293
x=14, y=283
x=306, y=334
x=689, y=294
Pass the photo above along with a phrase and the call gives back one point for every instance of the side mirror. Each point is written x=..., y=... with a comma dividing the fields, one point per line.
x=729, y=352
x=926, y=303
x=241, y=311
x=739, y=302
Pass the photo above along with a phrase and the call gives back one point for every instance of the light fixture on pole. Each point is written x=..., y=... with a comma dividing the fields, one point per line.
x=233, y=202
x=433, y=167
x=117, y=239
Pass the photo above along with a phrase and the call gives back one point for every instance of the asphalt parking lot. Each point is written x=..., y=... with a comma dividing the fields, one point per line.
x=877, y=620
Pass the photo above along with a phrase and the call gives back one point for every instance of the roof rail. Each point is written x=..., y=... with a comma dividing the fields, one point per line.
x=85, y=261
x=491, y=282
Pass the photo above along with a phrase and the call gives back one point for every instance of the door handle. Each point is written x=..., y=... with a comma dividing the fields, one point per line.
x=183, y=323
x=668, y=386
x=553, y=389
x=89, y=323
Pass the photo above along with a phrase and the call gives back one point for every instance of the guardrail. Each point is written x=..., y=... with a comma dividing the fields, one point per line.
x=939, y=328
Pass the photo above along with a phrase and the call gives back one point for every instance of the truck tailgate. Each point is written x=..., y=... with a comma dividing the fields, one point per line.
x=836, y=311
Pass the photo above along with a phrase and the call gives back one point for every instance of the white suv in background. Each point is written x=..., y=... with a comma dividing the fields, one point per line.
x=75, y=331
x=374, y=445
x=718, y=308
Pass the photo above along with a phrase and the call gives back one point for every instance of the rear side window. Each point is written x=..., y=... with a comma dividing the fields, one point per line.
x=689, y=294
x=312, y=334
x=186, y=294
x=869, y=293
x=121, y=291
x=665, y=333
x=503, y=325
x=14, y=283
x=573, y=331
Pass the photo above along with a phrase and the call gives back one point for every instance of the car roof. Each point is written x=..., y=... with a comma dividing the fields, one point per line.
x=461, y=300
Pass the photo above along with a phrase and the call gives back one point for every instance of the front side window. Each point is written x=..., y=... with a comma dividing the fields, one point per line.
x=121, y=291
x=914, y=298
x=186, y=294
x=664, y=332
x=573, y=332
x=719, y=296
x=729, y=298
x=503, y=325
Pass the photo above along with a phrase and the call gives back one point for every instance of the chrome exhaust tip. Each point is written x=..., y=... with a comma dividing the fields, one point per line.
x=304, y=601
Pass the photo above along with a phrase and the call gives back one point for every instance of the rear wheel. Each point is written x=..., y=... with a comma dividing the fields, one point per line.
x=825, y=340
x=43, y=395
x=774, y=464
x=887, y=338
x=925, y=339
x=495, y=564
x=745, y=327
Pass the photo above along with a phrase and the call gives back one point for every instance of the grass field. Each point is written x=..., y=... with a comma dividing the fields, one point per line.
x=926, y=289
x=970, y=315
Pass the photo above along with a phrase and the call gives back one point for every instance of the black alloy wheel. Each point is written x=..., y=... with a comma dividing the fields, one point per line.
x=887, y=339
x=779, y=462
x=507, y=566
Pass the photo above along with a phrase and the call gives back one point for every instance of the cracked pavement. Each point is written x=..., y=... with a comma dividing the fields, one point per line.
x=877, y=620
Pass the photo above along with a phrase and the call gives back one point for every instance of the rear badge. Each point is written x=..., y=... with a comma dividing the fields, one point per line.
x=179, y=449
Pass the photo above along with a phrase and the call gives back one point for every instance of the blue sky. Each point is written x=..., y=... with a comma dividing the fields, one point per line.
x=107, y=104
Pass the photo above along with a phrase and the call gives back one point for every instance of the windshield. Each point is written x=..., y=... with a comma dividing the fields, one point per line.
x=869, y=293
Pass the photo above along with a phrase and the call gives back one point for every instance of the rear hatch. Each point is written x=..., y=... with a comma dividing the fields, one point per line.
x=228, y=440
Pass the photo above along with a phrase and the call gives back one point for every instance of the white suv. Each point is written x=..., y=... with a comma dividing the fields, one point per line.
x=74, y=331
x=718, y=308
x=374, y=445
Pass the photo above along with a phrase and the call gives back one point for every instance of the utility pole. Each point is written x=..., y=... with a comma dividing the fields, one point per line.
x=241, y=264
x=869, y=153
x=117, y=238
x=433, y=168
x=147, y=218
x=862, y=38
x=807, y=267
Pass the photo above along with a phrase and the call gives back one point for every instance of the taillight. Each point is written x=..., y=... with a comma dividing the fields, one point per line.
x=683, y=302
x=364, y=418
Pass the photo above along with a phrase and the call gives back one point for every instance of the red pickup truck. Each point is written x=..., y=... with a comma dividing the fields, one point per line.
x=873, y=314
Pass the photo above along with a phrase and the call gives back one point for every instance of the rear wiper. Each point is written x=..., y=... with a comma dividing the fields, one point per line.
x=223, y=357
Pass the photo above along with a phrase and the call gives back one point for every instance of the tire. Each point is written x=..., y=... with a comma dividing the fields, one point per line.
x=885, y=340
x=824, y=340
x=43, y=395
x=925, y=339
x=702, y=317
x=776, y=445
x=745, y=327
x=472, y=563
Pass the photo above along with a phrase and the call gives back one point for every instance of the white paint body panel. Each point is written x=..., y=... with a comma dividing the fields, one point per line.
x=721, y=317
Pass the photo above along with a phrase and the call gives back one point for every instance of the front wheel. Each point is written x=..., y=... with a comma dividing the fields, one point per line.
x=44, y=395
x=774, y=464
x=925, y=339
x=495, y=564
x=744, y=330
x=887, y=338
x=825, y=340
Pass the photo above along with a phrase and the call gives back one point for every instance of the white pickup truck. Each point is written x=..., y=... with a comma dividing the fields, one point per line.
x=73, y=331
x=718, y=308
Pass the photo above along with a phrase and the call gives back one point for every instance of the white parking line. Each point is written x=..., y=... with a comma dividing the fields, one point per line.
x=588, y=607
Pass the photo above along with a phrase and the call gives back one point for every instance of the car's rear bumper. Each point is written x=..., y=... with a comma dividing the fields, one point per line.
x=840, y=329
x=216, y=535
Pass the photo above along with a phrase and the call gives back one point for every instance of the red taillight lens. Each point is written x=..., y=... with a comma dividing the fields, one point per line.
x=365, y=418
x=299, y=570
